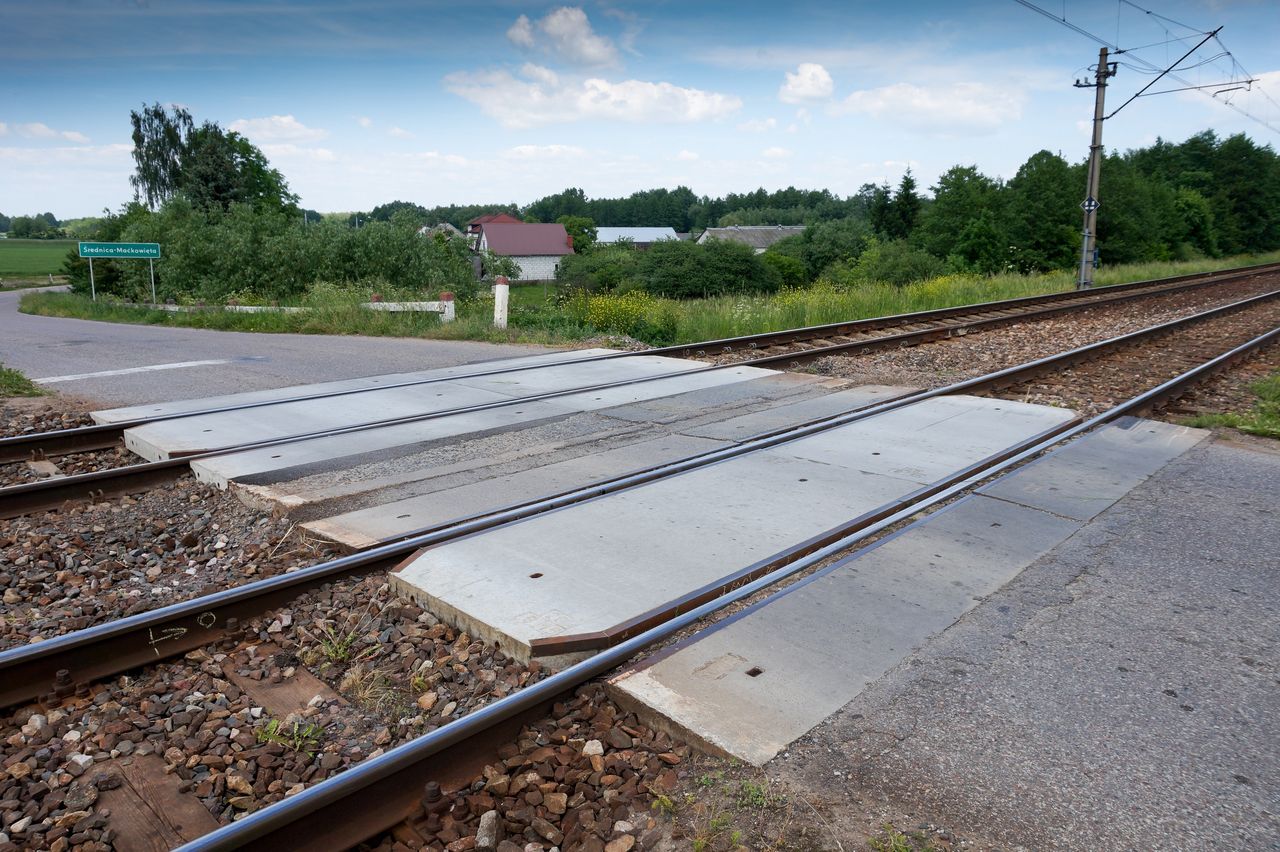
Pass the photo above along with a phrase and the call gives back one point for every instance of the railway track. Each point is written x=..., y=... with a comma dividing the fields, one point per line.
x=402, y=788
x=386, y=790
x=777, y=350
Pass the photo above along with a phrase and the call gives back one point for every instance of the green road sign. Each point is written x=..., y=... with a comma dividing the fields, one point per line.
x=140, y=251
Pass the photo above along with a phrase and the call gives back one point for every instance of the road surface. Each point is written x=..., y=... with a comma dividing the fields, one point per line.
x=115, y=364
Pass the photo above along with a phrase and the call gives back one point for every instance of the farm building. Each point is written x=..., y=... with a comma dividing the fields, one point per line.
x=639, y=237
x=759, y=237
x=537, y=248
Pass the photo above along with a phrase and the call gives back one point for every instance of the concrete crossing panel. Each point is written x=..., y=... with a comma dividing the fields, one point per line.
x=594, y=565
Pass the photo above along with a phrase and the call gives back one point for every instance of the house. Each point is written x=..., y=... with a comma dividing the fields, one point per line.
x=537, y=248
x=473, y=227
x=444, y=228
x=759, y=237
x=639, y=237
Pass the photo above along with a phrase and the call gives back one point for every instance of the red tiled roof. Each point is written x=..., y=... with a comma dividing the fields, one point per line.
x=494, y=217
x=523, y=239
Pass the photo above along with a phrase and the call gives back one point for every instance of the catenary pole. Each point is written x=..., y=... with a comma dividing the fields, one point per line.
x=1089, y=238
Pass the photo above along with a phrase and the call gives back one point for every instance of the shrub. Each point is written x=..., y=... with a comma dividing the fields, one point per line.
x=636, y=314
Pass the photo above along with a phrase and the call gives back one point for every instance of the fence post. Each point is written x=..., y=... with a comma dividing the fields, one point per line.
x=446, y=301
x=501, y=296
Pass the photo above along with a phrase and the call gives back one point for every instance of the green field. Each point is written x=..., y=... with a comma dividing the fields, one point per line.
x=32, y=258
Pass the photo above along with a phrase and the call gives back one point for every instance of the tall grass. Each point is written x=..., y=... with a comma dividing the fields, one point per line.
x=728, y=316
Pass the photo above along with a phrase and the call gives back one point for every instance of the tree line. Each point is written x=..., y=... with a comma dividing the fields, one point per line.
x=41, y=226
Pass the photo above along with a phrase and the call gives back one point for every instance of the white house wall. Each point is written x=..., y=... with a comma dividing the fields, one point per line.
x=537, y=267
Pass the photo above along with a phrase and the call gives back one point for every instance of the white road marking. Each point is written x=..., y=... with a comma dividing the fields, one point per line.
x=174, y=366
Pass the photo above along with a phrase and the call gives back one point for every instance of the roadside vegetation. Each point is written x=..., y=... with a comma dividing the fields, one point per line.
x=1262, y=419
x=233, y=233
x=13, y=383
x=554, y=315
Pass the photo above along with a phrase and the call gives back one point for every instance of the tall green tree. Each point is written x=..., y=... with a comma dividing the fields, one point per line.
x=210, y=166
x=961, y=197
x=1043, y=212
x=159, y=146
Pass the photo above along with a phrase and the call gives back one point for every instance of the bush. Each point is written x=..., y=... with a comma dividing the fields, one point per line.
x=635, y=314
x=684, y=270
x=893, y=262
x=603, y=270
x=252, y=254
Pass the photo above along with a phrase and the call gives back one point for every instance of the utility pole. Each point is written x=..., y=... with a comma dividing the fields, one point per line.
x=1089, y=238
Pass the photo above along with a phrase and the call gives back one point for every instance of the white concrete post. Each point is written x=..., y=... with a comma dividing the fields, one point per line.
x=501, y=296
x=447, y=313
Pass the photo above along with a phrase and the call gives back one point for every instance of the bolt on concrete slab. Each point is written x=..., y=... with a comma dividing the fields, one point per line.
x=594, y=565
x=760, y=680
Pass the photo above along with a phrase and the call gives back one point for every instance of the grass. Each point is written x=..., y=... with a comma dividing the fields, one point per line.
x=329, y=316
x=295, y=736
x=537, y=318
x=32, y=258
x=13, y=383
x=889, y=839
x=1263, y=419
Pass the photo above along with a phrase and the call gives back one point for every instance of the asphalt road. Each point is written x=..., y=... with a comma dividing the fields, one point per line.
x=1122, y=693
x=52, y=347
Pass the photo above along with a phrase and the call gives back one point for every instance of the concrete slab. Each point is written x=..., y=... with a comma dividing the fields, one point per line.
x=645, y=445
x=162, y=409
x=762, y=679
x=591, y=566
x=759, y=681
x=1088, y=476
x=297, y=458
x=188, y=435
x=368, y=527
x=757, y=422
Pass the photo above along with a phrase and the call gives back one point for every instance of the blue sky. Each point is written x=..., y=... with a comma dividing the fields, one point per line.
x=435, y=102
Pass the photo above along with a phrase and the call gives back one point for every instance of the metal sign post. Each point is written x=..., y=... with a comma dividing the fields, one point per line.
x=151, y=251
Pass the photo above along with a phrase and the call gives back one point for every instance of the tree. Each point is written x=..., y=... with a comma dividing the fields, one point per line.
x=961, y=197
x=1043, y=219
x=159, y=145
x=880, y=209
x=212, y=167
x=581, y=230
x=905, y=208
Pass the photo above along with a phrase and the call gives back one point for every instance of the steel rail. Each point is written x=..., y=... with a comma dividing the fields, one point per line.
x=103, y=436
x=49, y=494
x=58, y=665
x=379, y=793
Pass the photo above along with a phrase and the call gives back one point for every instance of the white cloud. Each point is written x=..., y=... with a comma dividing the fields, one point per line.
x=543, y=97
x=4, y=129
x=364, y=121
x=687, y=156
x=757, y=125
x=809, y=83
x=947, y=110
x=543, y=152
x=399, y=133
x=290, y=151
x=39, y=130
x=277, y=128
x=521, y=32
x=775, y=153
x=565, y=33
